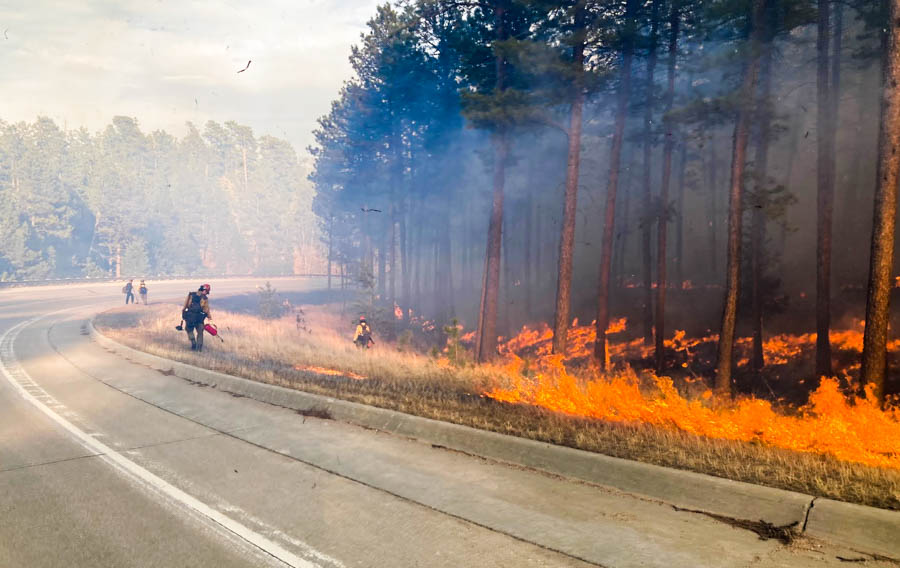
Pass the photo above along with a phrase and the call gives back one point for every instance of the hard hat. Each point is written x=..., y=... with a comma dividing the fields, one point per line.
x=205, y=287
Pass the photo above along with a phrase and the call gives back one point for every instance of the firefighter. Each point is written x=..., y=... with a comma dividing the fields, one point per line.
x=142, y=290
x=363, y=336
x=195, y=311
x=128, y=290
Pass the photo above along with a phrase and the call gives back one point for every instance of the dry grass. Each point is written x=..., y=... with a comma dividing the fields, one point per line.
x=268, y=351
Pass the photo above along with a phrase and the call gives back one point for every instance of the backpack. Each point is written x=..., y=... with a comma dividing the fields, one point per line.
x=194, y=312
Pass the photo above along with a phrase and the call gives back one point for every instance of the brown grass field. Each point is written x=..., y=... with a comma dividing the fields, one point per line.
x=389, y=376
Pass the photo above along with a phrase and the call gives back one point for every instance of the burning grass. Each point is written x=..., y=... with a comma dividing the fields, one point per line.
x=831, y=420
x=830, y=447
x=857, y=431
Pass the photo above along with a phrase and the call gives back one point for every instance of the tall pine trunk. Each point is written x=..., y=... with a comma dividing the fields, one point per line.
x=648, y=214
x=404, y=264
x=486, y=342
x=486, y=336
x=758, y=215
x=506, y=275
x=825, y=201
x=330, y=247
x=570, y=201
x=392, y=259
x=415, y=255
x=624, y=219
x=725, y=352
x=874, y=356
x=679, y=212
x=668, y=147
x=405, y=238
x=601, y=354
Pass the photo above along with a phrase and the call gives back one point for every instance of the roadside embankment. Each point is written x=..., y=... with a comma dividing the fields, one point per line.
x=863, y=528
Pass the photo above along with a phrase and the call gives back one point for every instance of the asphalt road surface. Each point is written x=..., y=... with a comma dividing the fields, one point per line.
x=104, y=462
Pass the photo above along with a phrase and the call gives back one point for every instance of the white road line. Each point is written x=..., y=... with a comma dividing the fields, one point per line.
x=17, y=377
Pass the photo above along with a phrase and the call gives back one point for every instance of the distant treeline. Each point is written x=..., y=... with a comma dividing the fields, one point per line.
x=124, y=203
x=535, y=160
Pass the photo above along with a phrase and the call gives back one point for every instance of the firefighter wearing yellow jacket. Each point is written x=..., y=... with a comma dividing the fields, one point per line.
x=363, y=336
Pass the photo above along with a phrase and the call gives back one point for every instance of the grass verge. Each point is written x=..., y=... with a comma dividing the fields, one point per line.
x=276, y=352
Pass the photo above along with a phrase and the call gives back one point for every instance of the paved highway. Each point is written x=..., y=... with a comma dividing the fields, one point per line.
x=104, y=462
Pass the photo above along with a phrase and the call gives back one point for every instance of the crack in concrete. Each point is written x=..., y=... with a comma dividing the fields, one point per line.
x=170, y=442
x=809, y=509
x=51, y=462
x=765, y=530
x=867, y=556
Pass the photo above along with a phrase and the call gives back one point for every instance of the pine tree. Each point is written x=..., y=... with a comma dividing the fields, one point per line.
x=874, y=356
x=601, y=354
x=725, y=351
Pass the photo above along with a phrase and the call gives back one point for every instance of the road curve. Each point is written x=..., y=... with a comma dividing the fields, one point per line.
x=104, y=462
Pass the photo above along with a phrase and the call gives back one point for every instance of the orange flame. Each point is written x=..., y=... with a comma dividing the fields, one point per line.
x=852, y=429
x=330, y=372
x=778, y=349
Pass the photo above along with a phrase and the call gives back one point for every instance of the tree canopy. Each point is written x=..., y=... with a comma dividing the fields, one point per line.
x=123, y=202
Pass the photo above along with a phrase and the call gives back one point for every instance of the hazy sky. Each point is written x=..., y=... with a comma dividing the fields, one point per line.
x=166, y=62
